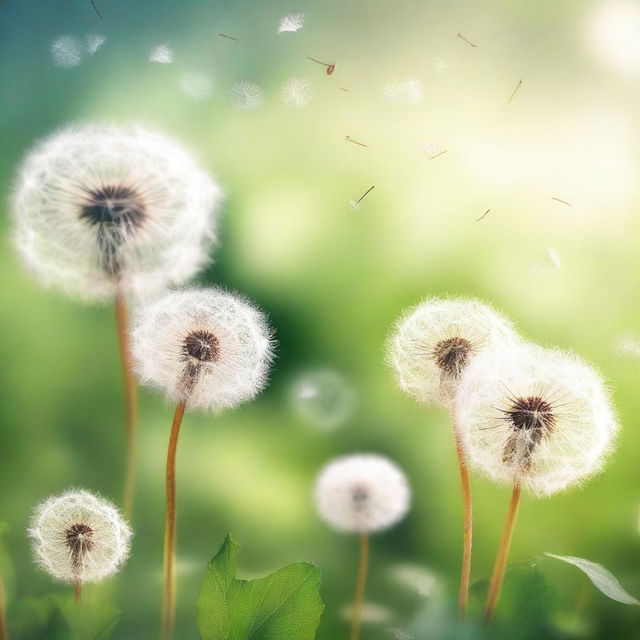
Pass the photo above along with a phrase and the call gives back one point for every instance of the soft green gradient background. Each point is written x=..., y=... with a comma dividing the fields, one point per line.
x=333, y=280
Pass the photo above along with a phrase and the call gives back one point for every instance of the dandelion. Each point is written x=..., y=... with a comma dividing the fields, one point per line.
x=204, y=349
x=162, y=54
x=79, y=537
x=431, y=346
x=363, y=493
x=297, y=92
x=107, y=212
x=196, y=86
x=66, y=51
x=535, y=418
x=93, y=42
x=406, y=91
x=246, y=96
x=291, y=23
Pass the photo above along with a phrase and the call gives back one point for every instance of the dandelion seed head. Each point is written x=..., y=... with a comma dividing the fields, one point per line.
x=406, y=91
x=297, y=92
x=79, y=537
x=433, y=343
x=291, y=23
x=161, y=54
x=196, y=86
x=535, y=416
x=246, y=96
x=362, y=493
x=66, y=51
x=208, y=347
x=97, y=207
x=93, y=42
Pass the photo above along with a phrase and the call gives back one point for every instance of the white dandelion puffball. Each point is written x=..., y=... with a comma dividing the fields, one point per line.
x=534, y=416
x=207, y=347
x=102, y=208
x=246, y=96
x=94, y=41
x=196, y=86
x=162, y=54
x=434, y=341
x=291, y=23
x=362, y=493
x=297, y=92
x=407, y=91
x=66, y=51
x=79, y=537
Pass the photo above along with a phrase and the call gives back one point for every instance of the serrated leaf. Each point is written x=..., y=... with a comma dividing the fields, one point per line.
x=602, y=578
x=285, y=605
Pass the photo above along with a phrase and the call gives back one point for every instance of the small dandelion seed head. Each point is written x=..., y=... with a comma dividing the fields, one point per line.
x=297, y=92
x=66, y=51
x=406, y=91
x=440, y=64
x=435, y=341
x=161, y=54
x=362, y=493
x=208, y=347
x=291, y=23
x=534, y=416
x=627, y=346
x=246, y=96
x=93, y=42
x=79, y=537
x=98, y=207
x=195, y=85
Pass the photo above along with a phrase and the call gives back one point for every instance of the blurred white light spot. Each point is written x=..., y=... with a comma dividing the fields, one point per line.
x=416, y=577
x=399, y=634
x=66, y=51
x=162, y=54
x=407, y=91
x=440, y=64
x=291, y=23
x=196, y=86
x=297, y=92
x=430, y=148
x=323, y=398
x=246, y=96
x=627, y=346
x=371, y=613
x=550, y=262
x=613, y=31
x=94, y=41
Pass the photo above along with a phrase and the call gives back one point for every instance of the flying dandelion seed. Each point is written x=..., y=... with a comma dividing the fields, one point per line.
x=196, y=86
x=323, y=398
x=297, y=92
x=66, y=51
x=417, y=578
x=371, y=613
x=399, y=634
x=440, y=65
x=551, y=262
x=93, y=42
x=430, y=148
x=627, y=346
x=162, y=54
x=246, y=96
x=407, y=91
x=291, y=23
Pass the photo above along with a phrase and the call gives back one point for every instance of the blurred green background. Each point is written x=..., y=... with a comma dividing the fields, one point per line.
x=333, y=280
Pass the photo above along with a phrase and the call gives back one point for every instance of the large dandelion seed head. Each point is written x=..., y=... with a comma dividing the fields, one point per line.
x=79, y=537
x=362, y=493
x=98, y=207
x=207, y=347
x=534, y=416
x=433, y=343
x=297, y=92
x=246, y=96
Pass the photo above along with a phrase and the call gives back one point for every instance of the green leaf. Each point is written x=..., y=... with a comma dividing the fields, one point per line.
x=285, y=605
x=602, y=578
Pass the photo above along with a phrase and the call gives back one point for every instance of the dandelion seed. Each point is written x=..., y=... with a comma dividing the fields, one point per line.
x=93, y=42
x=246, y=96
x=407, y=91
x=224, y=35
x=297, y=92
x=471, y=44
x=562, y=201
x=551, y=262
x=399, y=634
x=66, y=51
x=360, y=144
x=196, y=86
x=162, y=54
x=291, y=23
x=430, y=148
x=79, y=537
x=627, y=346
x=515, y=91
x=93, y=4
x=417, y=578
x=440, y=64
x=484, y=215
x=355, y=204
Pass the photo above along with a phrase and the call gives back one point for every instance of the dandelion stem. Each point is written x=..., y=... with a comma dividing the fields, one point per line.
x=169, y=595
x=130, y=401
x=4, y=632
x=78, y=592
x=467, y=539
x=503, y=552
x=358, y=598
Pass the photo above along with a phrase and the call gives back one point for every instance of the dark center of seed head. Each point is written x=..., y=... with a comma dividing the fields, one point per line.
x=202, y=345
x=114, y=206
x=359, y=495
x=79, y=539
x=452, y=355
x=532, y=413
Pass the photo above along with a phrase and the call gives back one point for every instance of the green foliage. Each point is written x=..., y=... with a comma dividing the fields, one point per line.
x=285, y=605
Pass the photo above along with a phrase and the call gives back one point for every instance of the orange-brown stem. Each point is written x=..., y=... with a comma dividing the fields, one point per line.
x=358, y=598
x=169, y=594
x=130, y=402
x=503, y=552
x=4, y=631
x=78, y=592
